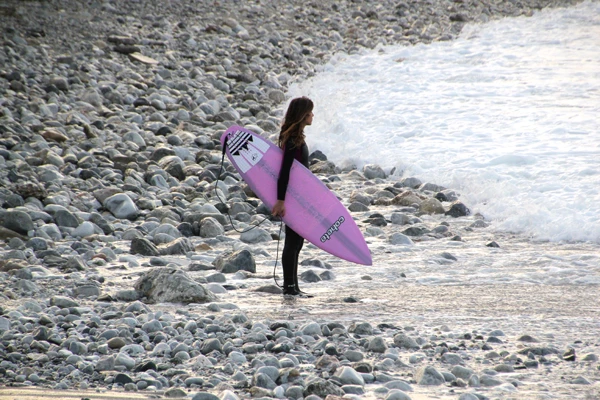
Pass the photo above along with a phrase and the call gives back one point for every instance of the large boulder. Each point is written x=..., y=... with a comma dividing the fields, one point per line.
x=171, y=285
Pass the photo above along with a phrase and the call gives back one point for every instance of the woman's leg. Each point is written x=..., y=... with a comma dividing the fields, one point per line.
x=296, y=267
x=289, y=260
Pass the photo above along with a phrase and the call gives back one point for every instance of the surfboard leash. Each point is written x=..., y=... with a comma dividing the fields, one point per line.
x=252, y=227
x=221, y=200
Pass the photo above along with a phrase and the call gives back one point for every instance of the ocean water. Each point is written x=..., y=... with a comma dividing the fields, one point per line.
x=508, y=115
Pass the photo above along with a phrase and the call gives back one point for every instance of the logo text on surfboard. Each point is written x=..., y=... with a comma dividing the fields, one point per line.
x=332, y=229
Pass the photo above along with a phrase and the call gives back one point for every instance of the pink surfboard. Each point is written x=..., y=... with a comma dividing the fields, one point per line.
x=312, y=210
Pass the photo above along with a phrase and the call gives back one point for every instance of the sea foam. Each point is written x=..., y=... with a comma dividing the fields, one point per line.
x=507, y=115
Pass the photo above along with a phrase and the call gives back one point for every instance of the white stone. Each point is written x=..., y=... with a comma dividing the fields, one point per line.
x=400, y=385
x=216, y=288
x=349, y=376
x=399, y=238
x=400, y=219
x=257, y=235
x=124, y=360
x=279, y=392
x=168, y=229
x=237, y=358
x=52, y=231
x=84, y=230
x=429, y=376
x=162, y=238
x=229, y=395
x=209, y=209
x=372, y=171
x=397, y=395
x=210, y=228
x=121, y=206
x=312, y=328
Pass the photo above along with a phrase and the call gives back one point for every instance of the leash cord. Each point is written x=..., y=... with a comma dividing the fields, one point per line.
x=252, y=227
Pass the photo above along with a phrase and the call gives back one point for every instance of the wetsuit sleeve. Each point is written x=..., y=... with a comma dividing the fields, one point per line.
x=284, y=173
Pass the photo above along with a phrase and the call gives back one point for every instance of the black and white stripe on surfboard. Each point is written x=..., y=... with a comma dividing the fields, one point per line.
x=239, y=141
x=246, y=150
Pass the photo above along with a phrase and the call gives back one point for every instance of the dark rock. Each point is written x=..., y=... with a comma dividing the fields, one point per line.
x=122, y=379
x=377, y=221
x=539, y=351
x=458, y=209
x=14, y=200
x=272, y=289
x=127, y=49
x=363, y=367
x=161, y=152
x=317, y=155
x=322, y=388
x=17, y=221
x=186, y=229
x=310, y=276
x=102, y=223
x=6, y=234
x=140, y=101
x=327, y=276
x=531, y=364
x=415, y=231
x=75, y=263
x=315, y=262
x=146, y=366
x=144, y=247
x=459, y=17
x=441, y=196
x=200, y=267
x=232, y=262
x=173, y=165
x=179, y=246
x=164, y=131
x=527, y=339
x=569, y=355
x=66, y=218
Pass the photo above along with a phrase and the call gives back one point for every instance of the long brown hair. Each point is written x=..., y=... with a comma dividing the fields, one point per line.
x=292, y=127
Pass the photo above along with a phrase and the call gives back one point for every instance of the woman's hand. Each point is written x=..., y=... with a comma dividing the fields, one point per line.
x=278, y=209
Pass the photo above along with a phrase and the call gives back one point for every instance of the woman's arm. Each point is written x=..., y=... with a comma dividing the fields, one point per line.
x=284, y=178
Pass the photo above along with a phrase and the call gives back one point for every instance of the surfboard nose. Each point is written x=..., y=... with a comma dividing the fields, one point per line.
x=361, y=256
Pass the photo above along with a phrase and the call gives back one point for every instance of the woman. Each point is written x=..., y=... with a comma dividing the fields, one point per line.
x=291, y=141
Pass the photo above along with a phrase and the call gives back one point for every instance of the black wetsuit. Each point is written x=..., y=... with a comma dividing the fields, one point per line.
x=293, y=241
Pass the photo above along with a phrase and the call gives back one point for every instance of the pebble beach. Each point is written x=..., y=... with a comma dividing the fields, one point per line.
x=121, y=275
